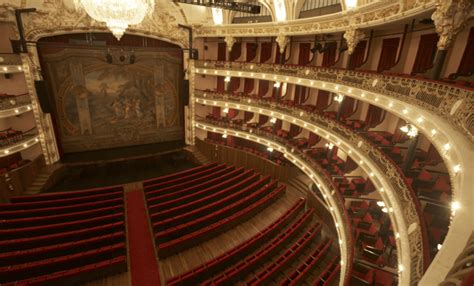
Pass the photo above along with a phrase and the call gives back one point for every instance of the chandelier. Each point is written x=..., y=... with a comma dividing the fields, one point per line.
x=117, y=14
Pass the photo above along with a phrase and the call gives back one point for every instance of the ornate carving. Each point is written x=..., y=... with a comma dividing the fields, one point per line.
x=59, y=17
x=366, y=16
x=229, y=41
x=282, y=41
x=449, y=18
x=353, y=36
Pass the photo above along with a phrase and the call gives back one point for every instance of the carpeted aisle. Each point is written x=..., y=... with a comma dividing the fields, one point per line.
x=143, y=264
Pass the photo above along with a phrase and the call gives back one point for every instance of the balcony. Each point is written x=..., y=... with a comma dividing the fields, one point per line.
x=13, y=144
x=13, y=105
x=10, y=63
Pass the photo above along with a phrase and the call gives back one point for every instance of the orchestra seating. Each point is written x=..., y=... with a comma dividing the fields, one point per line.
x=62, y=238
x=192, y=206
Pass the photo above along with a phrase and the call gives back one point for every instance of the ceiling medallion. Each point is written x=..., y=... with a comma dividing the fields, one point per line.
x=117, y=14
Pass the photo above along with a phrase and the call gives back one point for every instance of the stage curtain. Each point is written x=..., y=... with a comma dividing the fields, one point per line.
x=221, y=51
x=236, y=51
x=234, y=84
x=220, y=84
x=251, y=51
x=388, y=56
x=425, y=54
x=313, y=139
x=248, y=85
x=466, y=67
x=357, y=57
x=304, y=54
x=248, y=116
x=322, y=101
x=265, y=52
x=374, y=116
x=329, y=56
x=263, y=88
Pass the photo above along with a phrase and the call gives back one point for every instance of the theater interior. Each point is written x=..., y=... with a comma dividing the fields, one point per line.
x=246, y=142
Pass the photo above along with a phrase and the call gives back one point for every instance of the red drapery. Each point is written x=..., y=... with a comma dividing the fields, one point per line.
x=216, y=111
x=232, y=113
x=294, y=130
x=374, y=117
x=313, y=139
x=262, y=119
x=234, y=84
x=426, y=53
x=329, y=57
x=347, y=108
x=388, y=56
x=466, y=67
x=301, y=94
x=322, y=101
x=265, y=52
x=278, y=124
x=221, y=51
x=305, y=50
x=251, y=51
x=248, y=85
x=357, y=57
x=248, y=116
x=220, y=84
x=236, y=51
x=263, y=88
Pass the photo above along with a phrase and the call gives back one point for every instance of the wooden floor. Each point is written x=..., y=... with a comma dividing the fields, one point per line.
x=191, y=258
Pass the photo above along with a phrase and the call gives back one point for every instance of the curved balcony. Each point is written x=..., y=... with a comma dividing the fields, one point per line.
x=13, y=105
x=28, y=139
x=363, y=17
x=308, y=166
x=385, y=173
x=440, y=111
x=452, y=103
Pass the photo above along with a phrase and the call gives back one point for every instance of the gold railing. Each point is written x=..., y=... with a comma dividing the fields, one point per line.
x=453, y=103
x=316, y=168
x=404, y=193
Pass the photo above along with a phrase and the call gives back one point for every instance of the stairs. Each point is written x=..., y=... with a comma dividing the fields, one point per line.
x=197, y=155
x=42, y=179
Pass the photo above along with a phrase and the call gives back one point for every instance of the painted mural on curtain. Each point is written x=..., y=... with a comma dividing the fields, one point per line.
x=101, y=105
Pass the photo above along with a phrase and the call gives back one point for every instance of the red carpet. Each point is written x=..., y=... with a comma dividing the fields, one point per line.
x=143, y=264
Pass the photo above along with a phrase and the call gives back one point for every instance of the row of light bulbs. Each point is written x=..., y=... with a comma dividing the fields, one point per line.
x=456, y=168
x=12, y=69
x=25, y=145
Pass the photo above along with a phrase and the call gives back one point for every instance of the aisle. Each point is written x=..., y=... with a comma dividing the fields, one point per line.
x=143, y=264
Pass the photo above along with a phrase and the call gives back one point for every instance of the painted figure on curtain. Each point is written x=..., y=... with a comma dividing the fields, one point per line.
x=115, y=105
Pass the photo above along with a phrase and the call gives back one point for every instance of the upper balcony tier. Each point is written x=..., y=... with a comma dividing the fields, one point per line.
x=371, y=15
x=451, y=102
x=13, y=105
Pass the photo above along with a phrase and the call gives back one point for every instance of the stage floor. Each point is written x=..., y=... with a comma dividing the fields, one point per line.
x=121, y=154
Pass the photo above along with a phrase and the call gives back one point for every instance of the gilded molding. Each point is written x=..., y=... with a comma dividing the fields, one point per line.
x=353, y=36
x=449, y=18
x=369, y=15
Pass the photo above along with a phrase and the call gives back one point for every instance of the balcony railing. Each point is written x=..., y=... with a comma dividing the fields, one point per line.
x=14, y=101
x=410, y=205
x=452, y=103
x=316, y=168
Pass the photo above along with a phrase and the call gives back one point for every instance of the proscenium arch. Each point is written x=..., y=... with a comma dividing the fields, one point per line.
x=314, y=176
x=460, y=153
x=383, y=187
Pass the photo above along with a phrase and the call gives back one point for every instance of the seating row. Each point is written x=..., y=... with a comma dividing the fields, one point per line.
x=181, y=174
x=231, y=257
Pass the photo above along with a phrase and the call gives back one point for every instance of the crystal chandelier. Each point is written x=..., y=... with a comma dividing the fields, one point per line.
x=410, y=130
x=117, y=14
